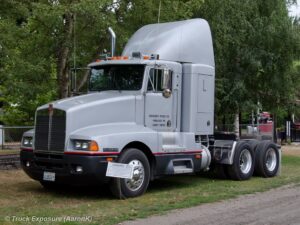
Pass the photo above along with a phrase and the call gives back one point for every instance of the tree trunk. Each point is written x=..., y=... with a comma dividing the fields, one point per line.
x=82, y=81
x=240, y=124
x=223, y=123
x=236, y=125
x=63, y=56
x=274, y=127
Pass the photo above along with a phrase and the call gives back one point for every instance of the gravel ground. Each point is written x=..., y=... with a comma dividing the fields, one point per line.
x=278, y=206
x=293, y=149
x=10, y=161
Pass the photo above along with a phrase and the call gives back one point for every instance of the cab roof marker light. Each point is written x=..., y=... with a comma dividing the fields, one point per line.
x=118, y=58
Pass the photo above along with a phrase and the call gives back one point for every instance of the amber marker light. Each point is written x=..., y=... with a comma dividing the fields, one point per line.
x=198, y=156
x=109, y=159
x=93, y=146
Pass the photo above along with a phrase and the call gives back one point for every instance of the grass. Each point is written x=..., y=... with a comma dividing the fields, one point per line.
x=21, y=196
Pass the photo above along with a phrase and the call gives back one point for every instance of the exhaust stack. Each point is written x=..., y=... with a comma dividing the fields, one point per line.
x=113, y=41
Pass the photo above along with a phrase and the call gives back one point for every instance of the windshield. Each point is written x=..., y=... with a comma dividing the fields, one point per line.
x=116, y=77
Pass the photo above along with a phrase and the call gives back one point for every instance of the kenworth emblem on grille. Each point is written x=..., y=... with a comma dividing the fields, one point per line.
x=50, y=109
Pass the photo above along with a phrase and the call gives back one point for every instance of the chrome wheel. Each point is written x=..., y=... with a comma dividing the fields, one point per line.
x=271, y=159
x=138, y=176
x=245, y=161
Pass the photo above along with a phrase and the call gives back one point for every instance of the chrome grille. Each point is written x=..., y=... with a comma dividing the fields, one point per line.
x=50, y=131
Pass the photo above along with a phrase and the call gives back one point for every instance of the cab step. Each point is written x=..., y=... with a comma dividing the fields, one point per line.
x=182, y=166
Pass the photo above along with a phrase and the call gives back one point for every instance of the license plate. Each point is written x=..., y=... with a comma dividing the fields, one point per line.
x=49, y=176
x=119, y=170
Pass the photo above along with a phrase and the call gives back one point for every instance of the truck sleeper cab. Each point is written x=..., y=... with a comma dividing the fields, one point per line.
x=151, y=108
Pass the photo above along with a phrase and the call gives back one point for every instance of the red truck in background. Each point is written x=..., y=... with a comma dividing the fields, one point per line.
x=265, y=122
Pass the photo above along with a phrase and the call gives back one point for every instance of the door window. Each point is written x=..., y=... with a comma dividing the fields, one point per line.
x=159, y=80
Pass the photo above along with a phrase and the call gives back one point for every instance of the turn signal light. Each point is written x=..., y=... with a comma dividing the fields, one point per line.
x=93, y=146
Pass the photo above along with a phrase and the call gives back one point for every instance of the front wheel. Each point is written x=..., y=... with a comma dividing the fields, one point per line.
x=126, y=188
x=243, y=162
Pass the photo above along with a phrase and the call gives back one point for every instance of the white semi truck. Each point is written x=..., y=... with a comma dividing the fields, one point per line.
x=147, y=114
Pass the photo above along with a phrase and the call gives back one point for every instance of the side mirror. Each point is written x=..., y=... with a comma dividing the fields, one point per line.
x=167, y=83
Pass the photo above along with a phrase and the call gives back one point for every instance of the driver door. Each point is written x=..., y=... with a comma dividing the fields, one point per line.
x=160, y=110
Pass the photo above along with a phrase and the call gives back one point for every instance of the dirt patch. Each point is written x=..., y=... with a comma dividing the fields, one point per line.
x=277, y=206
x=293, y=150
x=9, y=152
x=8, y=162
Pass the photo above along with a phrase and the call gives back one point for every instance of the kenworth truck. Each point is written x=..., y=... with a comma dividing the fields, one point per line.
x=148, y=113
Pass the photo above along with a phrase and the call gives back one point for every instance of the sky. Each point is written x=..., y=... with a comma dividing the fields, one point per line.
x=294, y=10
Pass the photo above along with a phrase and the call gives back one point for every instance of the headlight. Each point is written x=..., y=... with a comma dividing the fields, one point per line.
x=27, y=141
x=85, y=145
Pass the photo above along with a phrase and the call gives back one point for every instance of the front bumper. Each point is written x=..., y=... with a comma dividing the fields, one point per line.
x=64, y=166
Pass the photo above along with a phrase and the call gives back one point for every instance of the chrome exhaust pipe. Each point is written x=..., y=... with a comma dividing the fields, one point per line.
x=113, y=41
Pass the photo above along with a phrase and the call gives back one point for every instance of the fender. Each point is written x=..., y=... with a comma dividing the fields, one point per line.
x=114, y=137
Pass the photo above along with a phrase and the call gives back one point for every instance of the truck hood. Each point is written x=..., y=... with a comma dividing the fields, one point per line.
x=80, y=101
x=97, y=108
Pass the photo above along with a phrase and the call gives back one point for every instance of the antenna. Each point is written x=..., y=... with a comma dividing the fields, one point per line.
x=74, y=55
x=159, y=7
x=74, y=43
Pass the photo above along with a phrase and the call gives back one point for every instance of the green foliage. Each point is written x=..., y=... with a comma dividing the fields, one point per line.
x=40, y=39
x=255, y=44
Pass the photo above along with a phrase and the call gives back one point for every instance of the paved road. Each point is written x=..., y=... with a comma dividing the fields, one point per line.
x=279, y=206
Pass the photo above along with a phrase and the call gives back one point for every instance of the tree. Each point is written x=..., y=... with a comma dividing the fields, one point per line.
x=254, y=47
x=44, y=38
x=21, y=67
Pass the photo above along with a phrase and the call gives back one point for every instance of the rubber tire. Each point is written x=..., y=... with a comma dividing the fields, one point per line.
x=253, y=144
x=117, y=185
x=234, y=170
x=260, y=159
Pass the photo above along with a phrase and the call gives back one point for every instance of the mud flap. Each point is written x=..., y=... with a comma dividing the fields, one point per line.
x=279, y=166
